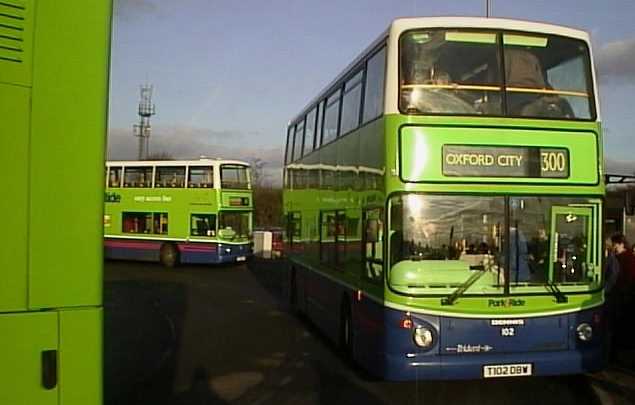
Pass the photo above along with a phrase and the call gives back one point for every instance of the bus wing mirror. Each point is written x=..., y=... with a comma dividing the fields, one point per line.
x=372, y=230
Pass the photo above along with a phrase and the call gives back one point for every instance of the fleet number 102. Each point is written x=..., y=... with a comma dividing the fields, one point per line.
x=553, y=161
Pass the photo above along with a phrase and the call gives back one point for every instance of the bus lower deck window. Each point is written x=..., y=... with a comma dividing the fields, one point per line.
x=203, y=225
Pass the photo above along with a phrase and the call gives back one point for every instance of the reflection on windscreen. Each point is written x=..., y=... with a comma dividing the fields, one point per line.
x=440, y=241
x=446, y=228
x=459, y=72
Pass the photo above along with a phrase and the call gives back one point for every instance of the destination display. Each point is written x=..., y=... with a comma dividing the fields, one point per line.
x=505, y=161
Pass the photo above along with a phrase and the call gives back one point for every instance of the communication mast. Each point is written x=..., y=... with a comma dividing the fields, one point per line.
x=143, y=129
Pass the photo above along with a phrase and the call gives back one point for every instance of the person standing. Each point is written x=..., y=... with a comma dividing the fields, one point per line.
x=626, y=259
x=625, y=285
x=612, y=307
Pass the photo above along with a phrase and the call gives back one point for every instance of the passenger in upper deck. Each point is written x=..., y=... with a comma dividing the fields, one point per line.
x=524, y=70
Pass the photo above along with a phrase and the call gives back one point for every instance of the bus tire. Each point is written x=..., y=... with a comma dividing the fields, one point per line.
x=169, y=255
x=346, y=329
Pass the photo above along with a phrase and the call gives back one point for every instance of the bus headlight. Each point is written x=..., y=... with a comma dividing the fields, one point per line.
x=584, y=331
x=422, y=336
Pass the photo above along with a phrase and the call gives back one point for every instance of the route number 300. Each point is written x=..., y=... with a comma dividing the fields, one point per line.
x=553, y=161
x=508, y=332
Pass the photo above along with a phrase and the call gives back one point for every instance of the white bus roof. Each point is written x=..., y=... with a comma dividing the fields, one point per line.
x=199, y=162
x=400, y=25
x=403, y=24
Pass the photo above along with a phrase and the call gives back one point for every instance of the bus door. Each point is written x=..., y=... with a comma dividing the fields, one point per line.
x=294, y=230
x=372, y=245
x=332, y=233
x=571, y=243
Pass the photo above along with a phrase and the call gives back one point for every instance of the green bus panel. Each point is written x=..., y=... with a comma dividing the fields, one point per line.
x=67, y=152
x=23, y=338
x=16, y=41
x=14, y=127
x=421, y=152
x=80, y=356
x=178, y=204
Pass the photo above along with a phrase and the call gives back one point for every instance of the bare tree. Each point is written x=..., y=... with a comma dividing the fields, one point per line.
x=267, y=207
x=257, y=172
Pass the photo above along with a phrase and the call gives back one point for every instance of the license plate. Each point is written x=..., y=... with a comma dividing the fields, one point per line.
x=241, y=258
x=507, y=370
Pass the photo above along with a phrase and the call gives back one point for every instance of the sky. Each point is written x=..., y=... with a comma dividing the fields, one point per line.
x=228, y=75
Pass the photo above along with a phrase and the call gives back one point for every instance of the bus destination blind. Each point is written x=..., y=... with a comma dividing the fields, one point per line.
x=505, y=161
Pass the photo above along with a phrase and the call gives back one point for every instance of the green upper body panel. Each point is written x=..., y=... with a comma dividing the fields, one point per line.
x=178, y=203
x=54, y=65
x=54, y=84
x=415, y=159
x=68, y=134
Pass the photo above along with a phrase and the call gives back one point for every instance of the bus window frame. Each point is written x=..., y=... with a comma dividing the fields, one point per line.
x=590, y=77
x=288, y=154
x=108, y=182
x=320, y=101
x=214, y=225
x=188, y=172
x=235, y=166
x=301, y=145
x=156, y=172
x=348, y=86
x=507, y=292
x=123, y=175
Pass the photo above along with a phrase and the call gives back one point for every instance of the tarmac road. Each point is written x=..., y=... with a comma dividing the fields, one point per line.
x=223, y=335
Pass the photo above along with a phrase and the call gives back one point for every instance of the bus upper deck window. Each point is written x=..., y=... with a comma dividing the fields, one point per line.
x=200, y=177
x=138, y=177
x=114, y=177
x=459, y=72
x=234, y=176
x=170, y=177
x=547, y=76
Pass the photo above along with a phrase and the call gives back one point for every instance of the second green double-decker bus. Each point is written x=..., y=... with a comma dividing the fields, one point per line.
x=194, y=211
x=443, y=198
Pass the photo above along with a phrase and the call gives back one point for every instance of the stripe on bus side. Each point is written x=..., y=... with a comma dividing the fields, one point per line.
x=161, y=239
x=121, y=244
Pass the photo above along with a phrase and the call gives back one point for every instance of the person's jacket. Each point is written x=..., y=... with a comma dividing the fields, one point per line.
x=611, y=273
x=626, y=278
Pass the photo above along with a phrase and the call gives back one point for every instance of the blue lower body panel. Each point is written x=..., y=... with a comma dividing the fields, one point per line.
x=400, y=368
x=189, y=252
x=463, y=346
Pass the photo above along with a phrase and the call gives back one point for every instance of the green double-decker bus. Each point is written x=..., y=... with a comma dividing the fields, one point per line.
x=54, y=59
x=443, y=202
x=178, y=211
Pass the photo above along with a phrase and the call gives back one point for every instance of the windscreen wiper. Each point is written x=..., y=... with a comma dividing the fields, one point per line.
x=449, y=300
x=553, y=288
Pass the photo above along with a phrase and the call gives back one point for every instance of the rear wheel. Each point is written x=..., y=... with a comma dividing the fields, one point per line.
x=169, y=255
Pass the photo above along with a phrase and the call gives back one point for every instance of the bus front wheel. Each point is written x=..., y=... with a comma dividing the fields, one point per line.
x=169, y=255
